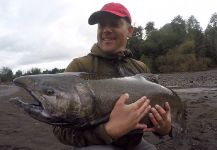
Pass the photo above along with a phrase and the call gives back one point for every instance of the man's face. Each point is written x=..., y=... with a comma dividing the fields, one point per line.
x=112, y=33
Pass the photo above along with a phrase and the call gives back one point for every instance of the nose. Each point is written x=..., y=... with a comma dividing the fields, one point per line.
x=107, y=29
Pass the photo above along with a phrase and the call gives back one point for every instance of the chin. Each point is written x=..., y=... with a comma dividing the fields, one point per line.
x=108, y=49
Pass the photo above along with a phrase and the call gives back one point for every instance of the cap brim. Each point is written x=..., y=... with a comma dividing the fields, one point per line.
x=96, y=16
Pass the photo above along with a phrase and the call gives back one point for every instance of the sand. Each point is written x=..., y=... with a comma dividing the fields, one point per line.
x=198, y=90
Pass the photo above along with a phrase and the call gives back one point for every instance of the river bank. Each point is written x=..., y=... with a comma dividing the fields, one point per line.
x=198, y=90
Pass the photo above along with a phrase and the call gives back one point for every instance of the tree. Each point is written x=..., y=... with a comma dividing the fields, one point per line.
x=194, y=33
x=46, y=71
x=213, y=20
x=53, y=71
x=56, y=70
x=33, y=71
x=182, y=58
x=135, y=43
x=211, y=38
x=6, y=74
x=18, y=73
x=178, y=26
x=192, y=24
x=149, y=28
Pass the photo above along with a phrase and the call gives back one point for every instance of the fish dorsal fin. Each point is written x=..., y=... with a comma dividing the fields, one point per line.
x=149, y=76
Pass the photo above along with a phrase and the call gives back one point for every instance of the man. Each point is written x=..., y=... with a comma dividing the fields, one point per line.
x=110, y=57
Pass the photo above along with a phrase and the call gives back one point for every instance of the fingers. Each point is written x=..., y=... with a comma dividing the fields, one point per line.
x=154, y=121
x=144, y=128
x=145, y=107
x=142, y=107
x=161, y=119
x=167, y=107
x=149, y=130
x=160, y=113
x=122, y=100
x=141, y=126
x=140, y=102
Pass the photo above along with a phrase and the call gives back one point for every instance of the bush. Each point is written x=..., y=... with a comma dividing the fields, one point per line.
x=182, y=63
x=6, y=74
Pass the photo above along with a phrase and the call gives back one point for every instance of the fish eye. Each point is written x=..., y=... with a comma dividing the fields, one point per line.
x=49, y=92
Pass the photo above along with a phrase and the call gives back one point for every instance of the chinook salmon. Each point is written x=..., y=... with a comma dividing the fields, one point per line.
x=82, y=100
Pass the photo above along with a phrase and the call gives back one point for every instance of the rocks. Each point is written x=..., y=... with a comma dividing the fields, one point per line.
x=190, y=79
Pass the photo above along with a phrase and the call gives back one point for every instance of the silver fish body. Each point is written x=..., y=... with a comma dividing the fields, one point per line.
x=81, y=100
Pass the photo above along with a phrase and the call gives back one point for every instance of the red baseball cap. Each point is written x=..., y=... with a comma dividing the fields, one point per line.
x=113, y=8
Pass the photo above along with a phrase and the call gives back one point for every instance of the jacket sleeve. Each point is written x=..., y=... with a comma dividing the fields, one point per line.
x=74, y=66
x=79, y=138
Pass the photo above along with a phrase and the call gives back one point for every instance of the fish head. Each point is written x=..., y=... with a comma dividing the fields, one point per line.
x=58, y=97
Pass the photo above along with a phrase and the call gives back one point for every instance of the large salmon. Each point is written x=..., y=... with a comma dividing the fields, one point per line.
x=81, y=100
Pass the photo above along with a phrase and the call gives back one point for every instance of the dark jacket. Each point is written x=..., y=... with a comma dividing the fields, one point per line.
x=120, y=64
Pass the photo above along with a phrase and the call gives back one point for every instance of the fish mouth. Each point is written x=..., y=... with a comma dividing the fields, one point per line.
x=18, y=101
x=34, y=109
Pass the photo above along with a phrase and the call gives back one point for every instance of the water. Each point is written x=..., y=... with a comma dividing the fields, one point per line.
x=196, y=90
x=7, y=90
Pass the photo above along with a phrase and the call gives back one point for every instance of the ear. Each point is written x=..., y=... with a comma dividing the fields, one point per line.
x=130, y=31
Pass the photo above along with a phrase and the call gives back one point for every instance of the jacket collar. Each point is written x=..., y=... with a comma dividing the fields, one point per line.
x=122, y=55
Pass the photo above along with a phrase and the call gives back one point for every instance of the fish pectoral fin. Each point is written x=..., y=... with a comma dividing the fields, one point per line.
x=99, y=121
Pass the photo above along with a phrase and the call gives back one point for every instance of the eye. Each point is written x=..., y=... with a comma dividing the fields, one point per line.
x=49, y=92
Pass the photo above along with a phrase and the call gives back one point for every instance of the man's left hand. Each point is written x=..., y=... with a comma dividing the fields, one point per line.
x=161, y=119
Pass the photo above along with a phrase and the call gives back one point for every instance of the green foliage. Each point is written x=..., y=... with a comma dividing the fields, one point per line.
x=53, y=71
x=179, y=29
x=192, y=25
x=18, y=73
x=182, y=58
x=178, y=46
x=211, y=38
x=149, y=28
x=147, y=60
x=194, y=32
x=135, y=43
x=33, y=71
x=38, y=71
x=6, y=74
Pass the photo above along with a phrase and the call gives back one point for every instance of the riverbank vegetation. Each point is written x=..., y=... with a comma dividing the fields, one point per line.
x=178, y=46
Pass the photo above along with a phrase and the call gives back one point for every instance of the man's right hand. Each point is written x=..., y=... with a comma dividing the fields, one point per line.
x=125, y=118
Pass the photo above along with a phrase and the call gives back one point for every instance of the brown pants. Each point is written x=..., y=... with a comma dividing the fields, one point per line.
x=144, y=145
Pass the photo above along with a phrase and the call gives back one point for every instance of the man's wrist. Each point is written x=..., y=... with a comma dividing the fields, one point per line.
x=110, y=131
x=161, y=134
x=102, y=133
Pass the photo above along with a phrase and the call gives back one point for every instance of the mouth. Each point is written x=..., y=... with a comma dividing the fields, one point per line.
x=108, y=39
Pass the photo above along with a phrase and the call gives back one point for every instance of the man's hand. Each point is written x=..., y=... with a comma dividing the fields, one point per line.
x=161, y=119
x=125, y=118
